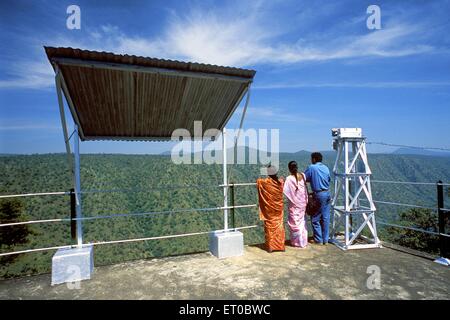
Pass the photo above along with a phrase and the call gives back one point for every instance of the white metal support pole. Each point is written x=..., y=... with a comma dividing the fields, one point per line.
x=81, y=257
x=225, y=180
x=76, y=148
x=63, y=118
x=226, y=243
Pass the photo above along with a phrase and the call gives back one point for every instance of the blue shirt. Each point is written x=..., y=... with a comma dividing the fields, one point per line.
x=318, y=175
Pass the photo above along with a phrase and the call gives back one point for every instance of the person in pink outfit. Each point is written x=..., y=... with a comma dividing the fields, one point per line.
x=297, y=194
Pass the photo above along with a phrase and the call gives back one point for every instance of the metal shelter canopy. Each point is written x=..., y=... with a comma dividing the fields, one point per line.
x=123, y=97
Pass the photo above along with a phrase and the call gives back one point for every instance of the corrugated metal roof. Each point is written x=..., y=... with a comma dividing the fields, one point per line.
x=122, y=97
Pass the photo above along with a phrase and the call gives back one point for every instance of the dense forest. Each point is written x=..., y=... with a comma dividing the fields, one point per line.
x=152, y=183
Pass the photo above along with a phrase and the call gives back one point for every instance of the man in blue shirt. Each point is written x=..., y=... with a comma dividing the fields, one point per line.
x=318, y=176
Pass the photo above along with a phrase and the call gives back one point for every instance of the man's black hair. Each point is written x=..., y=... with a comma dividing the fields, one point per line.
x=316, y=156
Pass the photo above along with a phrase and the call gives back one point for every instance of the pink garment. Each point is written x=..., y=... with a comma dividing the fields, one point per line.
x=297, y=200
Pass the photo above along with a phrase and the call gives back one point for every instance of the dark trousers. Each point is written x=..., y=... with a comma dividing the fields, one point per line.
x=321, y=220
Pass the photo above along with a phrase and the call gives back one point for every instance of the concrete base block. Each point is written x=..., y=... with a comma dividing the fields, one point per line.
x=225, y=244
x=443, y=261
x=71, y=265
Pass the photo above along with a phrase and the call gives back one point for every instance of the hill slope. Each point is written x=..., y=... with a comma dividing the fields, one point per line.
x=150, y=177
x=413, y=151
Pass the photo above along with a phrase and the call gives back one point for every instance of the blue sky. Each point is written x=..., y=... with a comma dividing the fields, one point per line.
x=318, y=65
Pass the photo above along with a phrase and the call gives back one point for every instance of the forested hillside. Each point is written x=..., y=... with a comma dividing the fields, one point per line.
x=154, y=184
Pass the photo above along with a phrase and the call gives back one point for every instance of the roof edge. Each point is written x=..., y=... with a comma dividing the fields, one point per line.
x=109, y=57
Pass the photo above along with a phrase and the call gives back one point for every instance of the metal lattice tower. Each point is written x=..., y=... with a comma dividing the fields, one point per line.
x=352, y=204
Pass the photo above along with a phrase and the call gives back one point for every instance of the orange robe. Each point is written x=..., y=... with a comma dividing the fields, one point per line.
x=270, y=194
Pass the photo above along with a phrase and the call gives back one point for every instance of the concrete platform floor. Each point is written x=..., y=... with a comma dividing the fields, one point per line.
x=317, y=272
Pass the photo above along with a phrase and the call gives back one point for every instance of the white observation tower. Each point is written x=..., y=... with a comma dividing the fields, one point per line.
x=352, y=203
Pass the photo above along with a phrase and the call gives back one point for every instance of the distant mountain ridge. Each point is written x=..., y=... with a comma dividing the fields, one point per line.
x=247, y=149
x=421, y=152
x=400, y=151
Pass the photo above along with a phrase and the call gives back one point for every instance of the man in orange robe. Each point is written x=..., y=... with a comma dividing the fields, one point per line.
x=270, y=194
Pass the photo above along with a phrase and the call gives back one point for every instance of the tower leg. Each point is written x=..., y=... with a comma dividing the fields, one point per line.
x=352, y=183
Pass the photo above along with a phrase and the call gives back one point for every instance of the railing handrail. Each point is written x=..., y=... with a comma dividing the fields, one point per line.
x=190, y=210
x=34, y=194
x=122, y=241
x=413, y=228
x=412, y=182
x=119, y=215
x=187, y=186
x=3, y=196
x=122, y=215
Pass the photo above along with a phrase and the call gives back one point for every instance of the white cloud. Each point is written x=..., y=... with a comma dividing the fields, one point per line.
x=30, y=74
x=230, y=39
x=274, y=115
x=239, y=41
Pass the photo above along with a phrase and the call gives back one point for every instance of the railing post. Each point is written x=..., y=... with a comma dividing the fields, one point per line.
x=225, y=180
x=443, y=248
x=73, y=214
x=233, y=223
x=78, y=187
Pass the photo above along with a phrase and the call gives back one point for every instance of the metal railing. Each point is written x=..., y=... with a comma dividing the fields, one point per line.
x=444, y=247
x=34, y=194
x=73, y=219
x=444, y=238
x=412, y=183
